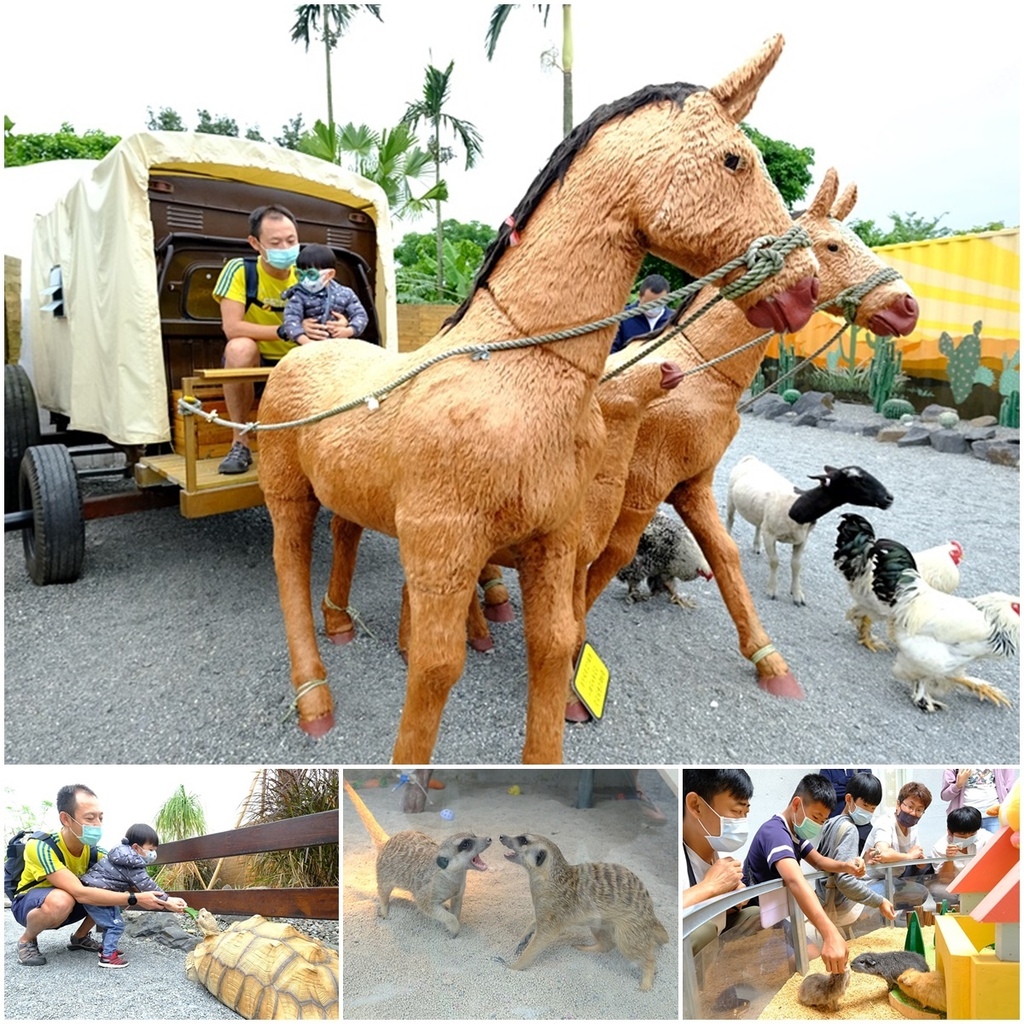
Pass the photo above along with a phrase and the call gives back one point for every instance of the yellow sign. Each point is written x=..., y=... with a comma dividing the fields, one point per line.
x=590, y=680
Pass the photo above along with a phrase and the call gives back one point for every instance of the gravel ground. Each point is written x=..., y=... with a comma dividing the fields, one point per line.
x=174, y=633
x=153, y=987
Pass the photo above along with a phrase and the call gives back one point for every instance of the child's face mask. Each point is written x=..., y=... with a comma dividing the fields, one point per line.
x=312, y=280
x=147, y=855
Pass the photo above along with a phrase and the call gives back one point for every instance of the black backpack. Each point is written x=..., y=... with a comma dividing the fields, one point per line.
x=14, y=864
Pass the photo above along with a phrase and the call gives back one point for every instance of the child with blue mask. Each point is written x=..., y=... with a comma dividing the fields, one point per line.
x=123, y=869
x=317, y=296
x=785, y=840
x=842, y=895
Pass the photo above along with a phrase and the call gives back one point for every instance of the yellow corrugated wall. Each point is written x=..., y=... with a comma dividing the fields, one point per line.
x=958, y=281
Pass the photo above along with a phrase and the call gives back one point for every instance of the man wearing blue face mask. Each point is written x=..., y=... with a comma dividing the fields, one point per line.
x=844, y=896
x=715, y=808
x=964, y=839
x=894, y=840
x=786, y=839
x=49, y=893
x=124, y=870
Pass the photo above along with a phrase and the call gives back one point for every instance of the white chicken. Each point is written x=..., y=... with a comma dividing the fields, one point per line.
x=938, y=635
x=938, y=566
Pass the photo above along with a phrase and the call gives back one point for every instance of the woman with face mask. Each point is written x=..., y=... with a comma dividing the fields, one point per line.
x=715, y=809
x=124, y=870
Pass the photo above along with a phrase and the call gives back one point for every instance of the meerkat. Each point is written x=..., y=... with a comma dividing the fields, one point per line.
x=927, y=987
x=607, y=897
x=434, y=872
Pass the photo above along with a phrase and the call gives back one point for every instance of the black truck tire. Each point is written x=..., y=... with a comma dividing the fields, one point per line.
x=21, y=428
x=55, y=542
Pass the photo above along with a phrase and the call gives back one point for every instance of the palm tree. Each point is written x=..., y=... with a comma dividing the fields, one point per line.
x=431, y=109
x=391, y=157
x=181, y=817
x=498, y=17
x=330, y=21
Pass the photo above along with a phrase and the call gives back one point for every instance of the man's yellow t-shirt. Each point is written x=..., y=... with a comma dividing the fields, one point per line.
x=40, y=861
x=268, y=307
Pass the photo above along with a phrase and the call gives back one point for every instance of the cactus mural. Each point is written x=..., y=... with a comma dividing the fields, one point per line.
x=757, y=385
x=964, y=368
x=787, y=359
x=1009, y=388
x=1009, y=411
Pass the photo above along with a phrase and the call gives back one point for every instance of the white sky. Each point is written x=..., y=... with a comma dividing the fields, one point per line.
x=919, y=104
x=130, y=794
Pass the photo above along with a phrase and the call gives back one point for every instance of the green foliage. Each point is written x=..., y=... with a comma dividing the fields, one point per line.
x=291, y=133
x=65, y=144
x=790, y=395
x=180, y=817
x=788, y=165
x=886, y=364
x=1009, y=411
x=24, y=816
x=409, y=250
x=165, y=120
x=896, y=408
x=908, y=228
x=963, y=362
x=417, y=282
x=283, y=793
x=220, y=125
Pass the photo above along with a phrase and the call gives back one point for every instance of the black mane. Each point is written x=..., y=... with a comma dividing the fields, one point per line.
x=558, y=165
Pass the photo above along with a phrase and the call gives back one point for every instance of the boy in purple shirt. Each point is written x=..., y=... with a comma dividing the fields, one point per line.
x=786, y=839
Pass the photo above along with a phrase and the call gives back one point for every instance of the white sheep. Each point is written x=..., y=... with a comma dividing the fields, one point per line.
x=784, y=514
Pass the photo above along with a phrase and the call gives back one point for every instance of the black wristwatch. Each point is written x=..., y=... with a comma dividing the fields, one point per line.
x=132, y=899
x=283, y=334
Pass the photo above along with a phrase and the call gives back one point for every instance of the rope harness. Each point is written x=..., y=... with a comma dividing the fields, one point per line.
x=764, y=258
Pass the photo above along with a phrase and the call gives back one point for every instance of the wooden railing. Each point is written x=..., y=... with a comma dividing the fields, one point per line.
x=292, y=833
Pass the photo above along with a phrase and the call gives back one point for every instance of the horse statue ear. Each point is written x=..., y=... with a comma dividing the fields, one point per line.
x=737, y=92
x=821, y=205
x=845, y=203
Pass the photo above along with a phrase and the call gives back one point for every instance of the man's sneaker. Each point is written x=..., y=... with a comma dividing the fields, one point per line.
x=238, y=460
x=114, y=960
x=29, y=955
x=86, y=942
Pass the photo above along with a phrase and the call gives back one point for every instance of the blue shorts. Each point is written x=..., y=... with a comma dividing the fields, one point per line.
x=22, y=904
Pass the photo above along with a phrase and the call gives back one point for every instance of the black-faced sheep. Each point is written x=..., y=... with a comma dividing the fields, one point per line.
x=782, y=513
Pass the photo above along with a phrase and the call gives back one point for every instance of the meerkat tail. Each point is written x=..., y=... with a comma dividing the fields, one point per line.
x=660, y=935
x=377, y=834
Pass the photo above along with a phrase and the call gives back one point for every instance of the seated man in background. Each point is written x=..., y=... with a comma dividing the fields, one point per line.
x=654, y=286
x=893, y=840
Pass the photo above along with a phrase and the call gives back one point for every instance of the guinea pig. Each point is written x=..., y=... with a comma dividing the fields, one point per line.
x=927, y=987
x=823, y=990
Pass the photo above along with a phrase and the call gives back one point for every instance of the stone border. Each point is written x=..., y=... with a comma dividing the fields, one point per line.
x=982, y=437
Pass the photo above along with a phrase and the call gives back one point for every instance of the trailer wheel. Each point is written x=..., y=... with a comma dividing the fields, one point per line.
x=55, y=542
x=21, y=428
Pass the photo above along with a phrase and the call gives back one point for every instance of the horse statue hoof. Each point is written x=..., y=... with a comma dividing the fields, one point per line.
x=503, y=612
x=782, y=686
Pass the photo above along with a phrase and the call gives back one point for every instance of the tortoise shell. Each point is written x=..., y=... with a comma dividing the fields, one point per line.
x=265, y=970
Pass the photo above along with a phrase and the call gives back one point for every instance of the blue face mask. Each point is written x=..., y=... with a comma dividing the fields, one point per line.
x=281, y=259
x=965, y=841
x=860, y=816
x=807, y=829
x=90, y=833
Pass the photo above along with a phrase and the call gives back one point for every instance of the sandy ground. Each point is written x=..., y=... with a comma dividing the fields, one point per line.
x=408, y=966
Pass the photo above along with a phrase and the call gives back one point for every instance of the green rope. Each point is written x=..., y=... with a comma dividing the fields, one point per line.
x=764, y=257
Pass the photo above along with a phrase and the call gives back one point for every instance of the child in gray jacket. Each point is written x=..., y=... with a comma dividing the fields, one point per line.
x=318, y=296
x=123, y=869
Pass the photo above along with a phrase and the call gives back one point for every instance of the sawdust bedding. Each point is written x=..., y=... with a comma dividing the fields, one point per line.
x=866, y=995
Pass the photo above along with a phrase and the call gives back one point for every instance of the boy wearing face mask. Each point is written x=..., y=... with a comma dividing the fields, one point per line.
x=844, y=896
x=318, y=297
x=893, y=840
x=786, y=839
x=715, y=810
x=964, y=838
x=124, y=870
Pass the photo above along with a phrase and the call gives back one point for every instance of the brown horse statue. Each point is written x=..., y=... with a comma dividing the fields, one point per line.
x=473, y=455
x=684, y=434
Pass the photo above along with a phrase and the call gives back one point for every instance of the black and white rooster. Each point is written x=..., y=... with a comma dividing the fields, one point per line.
x=853, y=557
x=667, y=551
x=938, y=635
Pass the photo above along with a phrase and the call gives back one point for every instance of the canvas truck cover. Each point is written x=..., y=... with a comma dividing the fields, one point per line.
x=102, y=363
